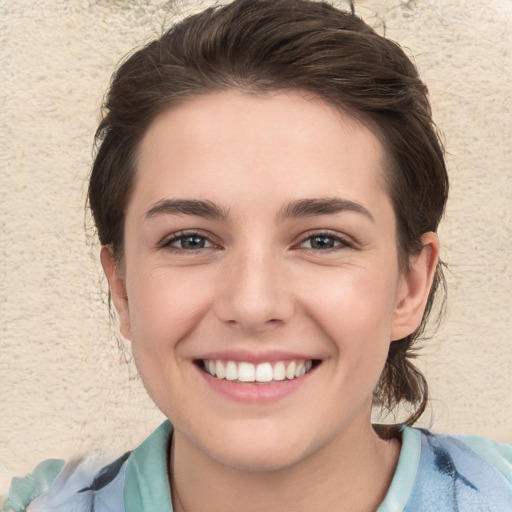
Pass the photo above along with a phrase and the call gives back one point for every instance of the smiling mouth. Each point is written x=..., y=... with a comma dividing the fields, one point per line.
x=258, y=373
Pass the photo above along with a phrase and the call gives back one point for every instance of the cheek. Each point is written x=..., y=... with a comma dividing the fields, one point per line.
x=165, y=309
x=165, y=306
x=356, y=298
x=355, y=310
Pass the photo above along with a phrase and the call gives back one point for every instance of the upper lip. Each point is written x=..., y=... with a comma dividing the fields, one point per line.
x=254, y=357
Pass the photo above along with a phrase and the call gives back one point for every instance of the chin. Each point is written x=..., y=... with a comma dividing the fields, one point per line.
x=258, y=460
x=259, y=452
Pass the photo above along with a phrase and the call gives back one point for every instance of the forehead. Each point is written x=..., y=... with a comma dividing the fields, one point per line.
x=230, y=145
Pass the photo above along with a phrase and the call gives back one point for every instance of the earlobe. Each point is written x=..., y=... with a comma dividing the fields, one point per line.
x=415, y=288
x=117, y=288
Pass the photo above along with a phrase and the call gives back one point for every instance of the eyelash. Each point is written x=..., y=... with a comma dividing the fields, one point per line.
x=184, y=235
x=339, y=241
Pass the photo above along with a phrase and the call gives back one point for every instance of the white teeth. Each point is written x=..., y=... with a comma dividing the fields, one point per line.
x=290, y=370
x=279, y=371
x=263, y=372
x=231, y=371
x=246, y=372
x=219, y=370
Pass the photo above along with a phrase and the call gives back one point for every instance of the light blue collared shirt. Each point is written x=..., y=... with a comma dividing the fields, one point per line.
x=438, y=473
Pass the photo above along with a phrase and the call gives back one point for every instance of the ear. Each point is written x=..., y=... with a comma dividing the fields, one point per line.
x=415, y=287
x=117, y=287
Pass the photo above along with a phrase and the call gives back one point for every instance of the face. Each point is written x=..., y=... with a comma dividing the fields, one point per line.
x=260, y=287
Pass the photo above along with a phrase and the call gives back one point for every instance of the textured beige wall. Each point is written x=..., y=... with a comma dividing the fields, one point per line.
x=64, y=384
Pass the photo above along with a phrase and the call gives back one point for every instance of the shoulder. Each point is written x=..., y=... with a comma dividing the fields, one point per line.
x=23, y=490
x=138, y=478
x=498, y=454
x=78, y=485
x=466, y=473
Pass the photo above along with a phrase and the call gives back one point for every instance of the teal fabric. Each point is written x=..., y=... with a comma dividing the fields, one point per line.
x=405, y=473
x=147, y=484
x=498, y=454
x=23, y=490
x=434, y=472
x=453, y=477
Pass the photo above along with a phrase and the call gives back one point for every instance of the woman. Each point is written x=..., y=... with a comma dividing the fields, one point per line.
x=267, y=192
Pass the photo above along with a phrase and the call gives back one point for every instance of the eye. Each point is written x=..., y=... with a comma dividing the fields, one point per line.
x=188, y=242
x=324, y=242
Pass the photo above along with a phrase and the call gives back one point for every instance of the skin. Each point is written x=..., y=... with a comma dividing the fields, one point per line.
x=260, y=284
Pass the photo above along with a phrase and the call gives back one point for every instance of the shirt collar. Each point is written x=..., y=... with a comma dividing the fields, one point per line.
x=147, y=483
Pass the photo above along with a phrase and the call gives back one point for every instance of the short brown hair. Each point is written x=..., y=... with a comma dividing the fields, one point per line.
x=272, y=45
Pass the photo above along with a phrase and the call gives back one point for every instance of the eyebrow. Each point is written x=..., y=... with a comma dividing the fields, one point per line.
x=196, y=207
x=322, y=206
x=294, y=209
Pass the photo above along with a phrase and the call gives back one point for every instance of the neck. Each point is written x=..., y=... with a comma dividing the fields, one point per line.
x=353, y=472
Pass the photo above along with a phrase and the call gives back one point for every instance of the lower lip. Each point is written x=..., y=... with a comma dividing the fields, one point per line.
x=254, y=392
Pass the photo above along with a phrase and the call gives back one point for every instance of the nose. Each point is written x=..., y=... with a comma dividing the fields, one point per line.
x=255, y=291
